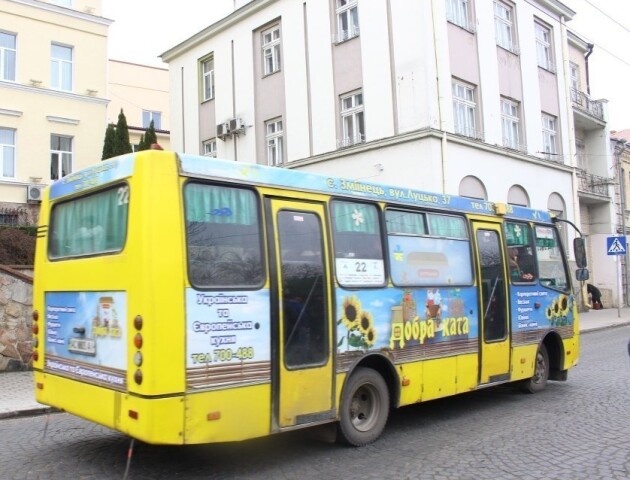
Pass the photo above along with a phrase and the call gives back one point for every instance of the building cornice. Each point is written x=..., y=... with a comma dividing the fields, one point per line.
x=427, y=133
x=69, y=12
x=214, y=29
x=556, y=7
x=52, y=93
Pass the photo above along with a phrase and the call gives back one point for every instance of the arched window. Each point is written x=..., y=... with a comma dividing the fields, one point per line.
x=472, y=187
x=557, y=207
x=518, y=196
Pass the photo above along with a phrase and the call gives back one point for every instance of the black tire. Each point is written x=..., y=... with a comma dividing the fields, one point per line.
x=364, y=408
x=541, y=373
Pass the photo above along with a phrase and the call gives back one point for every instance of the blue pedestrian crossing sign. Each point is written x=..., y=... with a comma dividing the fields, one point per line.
x=616, y=245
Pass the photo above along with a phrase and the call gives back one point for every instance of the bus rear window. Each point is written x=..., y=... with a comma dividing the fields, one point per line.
x=89, y=225
x=222, y=236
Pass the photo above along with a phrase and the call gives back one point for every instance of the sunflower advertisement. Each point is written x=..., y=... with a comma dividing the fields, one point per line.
x=396, y=318
x=540, y=308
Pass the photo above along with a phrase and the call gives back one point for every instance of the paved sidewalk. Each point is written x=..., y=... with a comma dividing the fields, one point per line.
x=17, y=396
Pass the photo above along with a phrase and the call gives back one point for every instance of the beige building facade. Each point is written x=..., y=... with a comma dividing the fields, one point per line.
x=59, y=92
x=53, y=112
x=142, y=93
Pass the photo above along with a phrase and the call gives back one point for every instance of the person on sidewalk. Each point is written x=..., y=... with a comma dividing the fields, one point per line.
x=596, y=296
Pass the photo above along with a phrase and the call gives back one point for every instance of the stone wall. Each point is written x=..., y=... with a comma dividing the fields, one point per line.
x=16, y=307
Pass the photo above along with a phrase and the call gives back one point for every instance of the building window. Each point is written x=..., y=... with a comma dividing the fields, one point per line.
x=550, y=134
x=148, y=116
x=347, y=19
x=271, y=50
x=9, y=216
x=210, y=147
x=465, y=110
x=7, y=56
x=504, y=26
x=457, y=12
x=60, y=156
x=580, y=153
x=574, y=74
x=274, y=135
x=61, y=67
x=510, y=119
x=207, y=67
x=543, y=47
x=7, y=153
x=352, y=119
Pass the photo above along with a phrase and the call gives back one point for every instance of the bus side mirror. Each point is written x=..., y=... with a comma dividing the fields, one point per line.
x=579, y=249
x=581, y=274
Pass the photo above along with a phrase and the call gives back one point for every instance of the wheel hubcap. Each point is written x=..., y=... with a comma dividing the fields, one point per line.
x=363, y=407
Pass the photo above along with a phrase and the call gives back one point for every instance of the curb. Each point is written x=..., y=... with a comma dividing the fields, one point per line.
x=31, y=412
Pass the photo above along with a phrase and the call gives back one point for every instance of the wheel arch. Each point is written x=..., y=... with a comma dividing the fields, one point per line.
x=384, y=366
x=555, y=352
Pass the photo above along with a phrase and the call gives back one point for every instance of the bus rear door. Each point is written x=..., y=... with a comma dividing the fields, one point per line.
x=302, y=365
x=494, y=320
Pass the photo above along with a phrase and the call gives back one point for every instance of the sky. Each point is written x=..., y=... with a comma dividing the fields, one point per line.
x=144, y=29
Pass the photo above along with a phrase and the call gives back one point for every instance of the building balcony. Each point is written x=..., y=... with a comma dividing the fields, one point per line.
x=588, y=114
x=593, y=186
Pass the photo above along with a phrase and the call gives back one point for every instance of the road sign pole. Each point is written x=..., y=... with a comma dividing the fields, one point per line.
x=619, y=280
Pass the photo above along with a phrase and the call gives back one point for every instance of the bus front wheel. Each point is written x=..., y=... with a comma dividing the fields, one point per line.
x=541, y=372
x=364, y=408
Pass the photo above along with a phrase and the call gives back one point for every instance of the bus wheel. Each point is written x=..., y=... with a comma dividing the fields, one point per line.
x=364, y=408
x=541, y=373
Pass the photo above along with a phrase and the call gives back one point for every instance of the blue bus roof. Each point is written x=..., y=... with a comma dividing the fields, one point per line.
x=332, y=185
x=248, y=173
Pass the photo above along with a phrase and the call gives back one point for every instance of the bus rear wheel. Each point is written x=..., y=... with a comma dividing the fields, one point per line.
x=541, y=372
x=364, y=408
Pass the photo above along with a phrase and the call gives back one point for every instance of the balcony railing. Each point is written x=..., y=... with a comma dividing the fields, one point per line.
x=593, y=183
x=582, y=101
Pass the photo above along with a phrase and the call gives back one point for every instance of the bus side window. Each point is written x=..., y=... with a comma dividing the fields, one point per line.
x=223, y=236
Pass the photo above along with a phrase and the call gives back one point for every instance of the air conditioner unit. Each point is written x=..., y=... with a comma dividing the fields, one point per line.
x=34, y=193
x=223, y=129
x=236, y=125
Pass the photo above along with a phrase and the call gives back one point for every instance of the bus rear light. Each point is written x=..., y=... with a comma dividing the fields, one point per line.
x=137, y=340
x=133, y=414
x=137, y=377
x=35, y=342
x=137, y=359
x=39, y=385
x=35, y=315
x=35, y=355
x=35, y=328
x=213, y=416
x=405, y=382
x=137, y=322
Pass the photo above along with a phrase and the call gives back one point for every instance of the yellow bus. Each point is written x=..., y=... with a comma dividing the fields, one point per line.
x=182, y=299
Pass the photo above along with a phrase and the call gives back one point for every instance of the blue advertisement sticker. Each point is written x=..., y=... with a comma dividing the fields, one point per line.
x=86, y=335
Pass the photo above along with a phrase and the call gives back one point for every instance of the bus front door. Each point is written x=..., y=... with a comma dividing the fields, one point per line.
x=303, y=366
x=494, y=325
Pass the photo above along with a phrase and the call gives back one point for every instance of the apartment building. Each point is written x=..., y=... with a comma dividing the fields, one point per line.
x=478, y=98
x=53, y=88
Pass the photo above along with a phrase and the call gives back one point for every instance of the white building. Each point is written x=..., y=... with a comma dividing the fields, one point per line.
x=477, y=98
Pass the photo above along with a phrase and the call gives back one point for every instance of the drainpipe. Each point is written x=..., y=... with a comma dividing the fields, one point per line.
x=620, y=147
x=442, y=120
x=588, y=78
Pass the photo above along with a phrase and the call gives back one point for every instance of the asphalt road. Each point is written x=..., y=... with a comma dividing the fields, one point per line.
x=579, y=429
